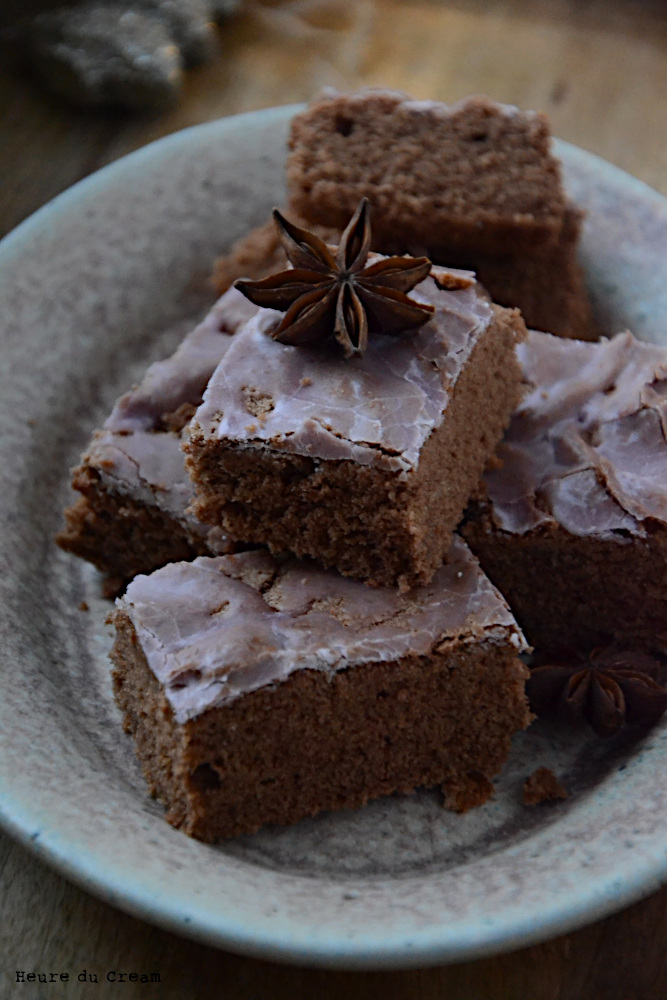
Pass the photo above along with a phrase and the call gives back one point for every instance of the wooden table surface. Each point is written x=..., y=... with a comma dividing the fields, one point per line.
x=599, y=68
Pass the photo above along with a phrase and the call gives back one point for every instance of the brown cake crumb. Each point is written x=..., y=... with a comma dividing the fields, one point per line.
x=461, y=796
x=177, y=419
x=543, y=786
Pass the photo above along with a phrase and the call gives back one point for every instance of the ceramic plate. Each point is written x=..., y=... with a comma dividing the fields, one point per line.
x=96, y=285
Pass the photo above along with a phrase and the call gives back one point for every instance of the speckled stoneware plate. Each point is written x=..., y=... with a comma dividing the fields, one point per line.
x=89, y=285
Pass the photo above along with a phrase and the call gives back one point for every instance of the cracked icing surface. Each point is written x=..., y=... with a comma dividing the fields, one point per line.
x=182, y=377
x=587, y=447
x=146, y=465
x=377, y=410
x=133, y=453
x=217, y=628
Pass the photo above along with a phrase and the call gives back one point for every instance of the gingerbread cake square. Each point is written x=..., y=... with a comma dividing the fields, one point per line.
x=473, y=184
x=364, y=464
x=262, y=691
x=572, y=526
x=133, y=513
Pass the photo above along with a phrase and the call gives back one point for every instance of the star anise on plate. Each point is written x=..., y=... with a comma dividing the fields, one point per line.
x=605, y=688
x=330, y=292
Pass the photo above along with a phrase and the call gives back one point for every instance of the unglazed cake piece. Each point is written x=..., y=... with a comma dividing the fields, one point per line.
x=573, y=527
x=470, y=167
x=133, y=513
x=473, y=184
x=262, y=691
x=367, y=464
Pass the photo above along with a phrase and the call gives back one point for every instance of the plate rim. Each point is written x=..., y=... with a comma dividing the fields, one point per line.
x=21, y=822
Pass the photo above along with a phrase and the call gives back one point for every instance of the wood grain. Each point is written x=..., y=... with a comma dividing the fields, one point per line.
x=49, y=925
x=599, y=68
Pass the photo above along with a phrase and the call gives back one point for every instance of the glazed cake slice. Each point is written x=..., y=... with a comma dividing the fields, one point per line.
x=133, y=513
x=262, y=691
x=474, y=184
x=573, y=528
x=367, y=464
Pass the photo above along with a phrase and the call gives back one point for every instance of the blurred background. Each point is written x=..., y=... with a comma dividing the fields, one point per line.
x=597, y=67
x=599, y=70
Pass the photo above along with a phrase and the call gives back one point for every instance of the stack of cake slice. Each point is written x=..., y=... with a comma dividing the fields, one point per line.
x=473, y=185
x=264, y=688
x=133, y=513
x=335, y=640
x=365, y=465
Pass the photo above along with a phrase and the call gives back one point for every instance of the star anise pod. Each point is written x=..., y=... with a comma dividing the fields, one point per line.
x=604, y=688
x=330, y=292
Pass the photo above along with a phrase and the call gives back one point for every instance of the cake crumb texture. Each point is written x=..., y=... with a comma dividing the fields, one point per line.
x=318, y=742
x=367, y=522
x=472, y=185
x=476, y=163
x=571, y=524
x=474, y=791
x=122, y=536
x=543, y=786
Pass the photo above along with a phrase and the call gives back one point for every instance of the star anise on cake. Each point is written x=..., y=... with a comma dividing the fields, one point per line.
x=605, y=688
x=331, y=292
